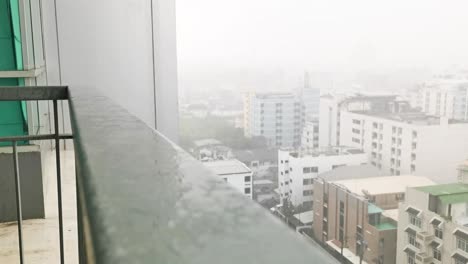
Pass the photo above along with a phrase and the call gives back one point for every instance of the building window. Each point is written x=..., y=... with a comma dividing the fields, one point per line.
x=410, y=257
x=400, y=196
x=462, y=244
x=310, y=169
x=337, y=166
x=356, y=140
x=357, y=122
x=247, y=190
x=247, y=178
x=412, y=240
x=307, y=181
x=381, y=244
x=436, y=254
x=414, y=220
x=356, y=131
x=438, y=232
x=308, y=192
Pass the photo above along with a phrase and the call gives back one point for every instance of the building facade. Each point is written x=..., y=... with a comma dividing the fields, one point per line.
x=279, y=117
x=399, y=141
x=433, y=225
x=357, y=217
x=331, y=106
x=234, y=172
x=310, y=135
x=442, y=97
x=297, y=170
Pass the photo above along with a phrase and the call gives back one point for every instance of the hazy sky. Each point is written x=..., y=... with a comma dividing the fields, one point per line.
x=328, y=35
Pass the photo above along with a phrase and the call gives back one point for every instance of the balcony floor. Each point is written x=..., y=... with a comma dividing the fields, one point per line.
x=41, y=236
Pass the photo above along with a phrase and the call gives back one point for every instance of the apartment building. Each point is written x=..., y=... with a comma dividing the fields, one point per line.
x=442, y=97
x=358, y=217
x=234, y=172
x=331, y=106
x=297, y=170
x=279, y=117
x=404, y=141
x=433, y=225
x=310, y=135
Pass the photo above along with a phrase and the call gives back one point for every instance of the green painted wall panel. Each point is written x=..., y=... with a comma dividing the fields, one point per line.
x=13, y=119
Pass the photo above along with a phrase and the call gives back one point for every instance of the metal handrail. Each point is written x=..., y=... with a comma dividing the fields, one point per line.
x=34, y=94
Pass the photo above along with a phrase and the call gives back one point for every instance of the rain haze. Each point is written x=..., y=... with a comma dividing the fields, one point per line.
x=245, y=42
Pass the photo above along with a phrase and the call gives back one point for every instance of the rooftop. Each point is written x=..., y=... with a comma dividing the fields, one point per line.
x=448, y=193
x=351, y=172
x=256, y=154
x=410, y=117
x=206, y=142
x=385, y=226
x=225, y=167
x=262, y=182
x=325, y=151
x=305, y=217
x=383, y=185
x=274, y=95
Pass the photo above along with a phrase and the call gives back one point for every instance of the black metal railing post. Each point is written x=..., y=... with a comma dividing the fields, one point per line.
x=18, y=201
x=59, y=180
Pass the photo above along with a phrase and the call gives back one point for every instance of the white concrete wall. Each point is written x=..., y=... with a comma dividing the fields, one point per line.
x=238, y=182
x=292, y=181
x=310, y=137
x=107, y=45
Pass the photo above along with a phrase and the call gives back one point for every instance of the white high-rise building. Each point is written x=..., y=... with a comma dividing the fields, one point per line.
x=279, y=117
x=234, y=172
x=399, y=140
x=332, y=105
x=298, y=168
x=442, y=97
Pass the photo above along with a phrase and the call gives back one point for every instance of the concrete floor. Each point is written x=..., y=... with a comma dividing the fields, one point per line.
x=41, y=236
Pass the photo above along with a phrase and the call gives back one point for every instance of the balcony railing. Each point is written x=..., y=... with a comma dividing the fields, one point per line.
x=142, y=199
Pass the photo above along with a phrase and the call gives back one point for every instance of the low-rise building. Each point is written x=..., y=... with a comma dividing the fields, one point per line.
x=298, y=168
x=433, y=225
x=234, y=172
x=358, y=217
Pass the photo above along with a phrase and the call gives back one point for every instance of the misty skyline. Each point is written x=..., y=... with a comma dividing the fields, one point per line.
x=329, y=36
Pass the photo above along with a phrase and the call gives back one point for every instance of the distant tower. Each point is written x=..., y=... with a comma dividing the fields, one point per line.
x=307, y=84
x=310, y=98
